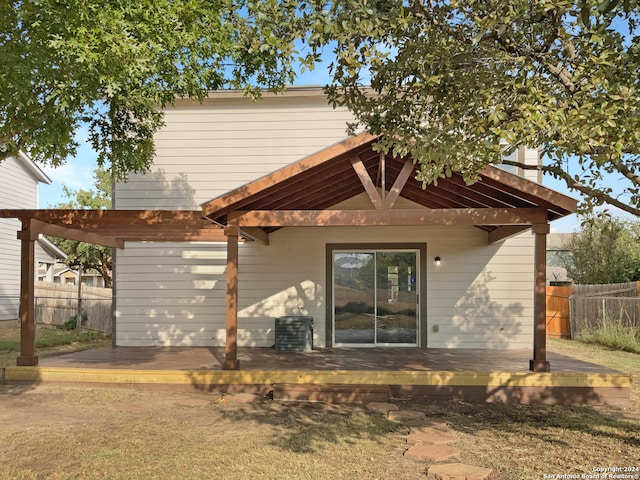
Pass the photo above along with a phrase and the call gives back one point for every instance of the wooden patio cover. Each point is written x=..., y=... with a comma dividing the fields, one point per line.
x=302, y=194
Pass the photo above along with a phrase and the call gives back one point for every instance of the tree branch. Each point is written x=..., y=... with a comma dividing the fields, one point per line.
x=592, y=192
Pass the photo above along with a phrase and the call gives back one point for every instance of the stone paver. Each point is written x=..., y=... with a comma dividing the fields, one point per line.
x=382, y=407
x=429, y=441
x=429, y=436
x=419, y=424
x=458, y=471
x=432, y=452
x=401, y=416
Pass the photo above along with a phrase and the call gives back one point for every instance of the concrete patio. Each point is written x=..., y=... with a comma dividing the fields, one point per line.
x=486, y=375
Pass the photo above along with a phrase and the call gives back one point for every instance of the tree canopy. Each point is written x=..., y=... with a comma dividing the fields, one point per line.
x=453, y=81
x=605, y=250
x=88, y=255
x=113, y=66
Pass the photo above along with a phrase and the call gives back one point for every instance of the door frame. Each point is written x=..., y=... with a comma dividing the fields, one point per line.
x=422, y=283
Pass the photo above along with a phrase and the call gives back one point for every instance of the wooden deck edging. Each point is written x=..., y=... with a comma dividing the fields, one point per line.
x=517, y=387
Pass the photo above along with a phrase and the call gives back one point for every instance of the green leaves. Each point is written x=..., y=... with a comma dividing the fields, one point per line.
x=618, y=251
x=445, y=81
x=453, y=80
x=117, y=63
x=88, y=255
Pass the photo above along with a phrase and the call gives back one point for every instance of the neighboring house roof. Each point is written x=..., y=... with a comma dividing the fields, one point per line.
x=50, y=248
x=559, y=241
x=352, y=167
x=33, y=168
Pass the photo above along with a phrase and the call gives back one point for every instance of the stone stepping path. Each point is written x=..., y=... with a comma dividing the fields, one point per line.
x=430, y=441
x=458, y=471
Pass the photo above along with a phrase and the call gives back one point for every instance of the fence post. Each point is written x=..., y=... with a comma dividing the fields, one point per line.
x=79, y=310
x=572, y=317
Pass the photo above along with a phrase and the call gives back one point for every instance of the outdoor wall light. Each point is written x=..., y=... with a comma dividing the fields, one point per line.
x=437, y=261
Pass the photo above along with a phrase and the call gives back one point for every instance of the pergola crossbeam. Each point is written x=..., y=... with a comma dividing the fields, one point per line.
x=344, y=218
x=38, y=227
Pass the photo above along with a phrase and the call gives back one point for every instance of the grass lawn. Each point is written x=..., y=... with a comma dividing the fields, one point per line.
x=627, y=362
x=49, y=341
x=57, y=432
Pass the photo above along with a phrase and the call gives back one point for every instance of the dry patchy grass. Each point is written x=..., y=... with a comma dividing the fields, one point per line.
x=122, y=434
x=627, y=362
x=84, y=433
x=528, y=441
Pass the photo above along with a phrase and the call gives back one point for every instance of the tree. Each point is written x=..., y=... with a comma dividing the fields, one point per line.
x=455, y=83
x=606, y=250
x=115, y=65
x=459, y=84
x=88, y=255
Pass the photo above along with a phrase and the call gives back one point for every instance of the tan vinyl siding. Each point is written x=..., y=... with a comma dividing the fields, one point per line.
x=531, y=156
x=206, y=150
x=174, y=294
x=480, y=297
x=18, y=189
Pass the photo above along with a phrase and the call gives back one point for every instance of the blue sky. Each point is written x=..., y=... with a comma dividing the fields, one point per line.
x=78, y=171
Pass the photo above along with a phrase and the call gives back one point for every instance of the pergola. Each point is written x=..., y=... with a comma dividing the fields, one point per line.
x=301, y=195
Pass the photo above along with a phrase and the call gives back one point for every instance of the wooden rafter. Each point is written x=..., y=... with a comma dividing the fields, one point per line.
x=367, y=183
x=503, y=232
x=398, y=185
x=529, y=190
x=38, y=227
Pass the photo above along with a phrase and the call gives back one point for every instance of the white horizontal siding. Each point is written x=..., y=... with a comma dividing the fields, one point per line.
x=532, y=157
x=18, y=189
x=481, y=296
x=174, y=294
x=206, y=150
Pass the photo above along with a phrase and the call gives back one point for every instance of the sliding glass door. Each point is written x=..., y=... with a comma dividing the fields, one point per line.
x=375, y=296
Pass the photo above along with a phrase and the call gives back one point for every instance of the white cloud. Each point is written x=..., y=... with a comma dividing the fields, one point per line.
x=76, y=173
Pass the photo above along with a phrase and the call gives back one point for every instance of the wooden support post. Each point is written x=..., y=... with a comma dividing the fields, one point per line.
x=539, y=362
x=27, y=296
x=231, y=361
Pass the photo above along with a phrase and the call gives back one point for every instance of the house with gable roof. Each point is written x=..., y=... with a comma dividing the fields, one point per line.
x=320, y=225
x=19, y=180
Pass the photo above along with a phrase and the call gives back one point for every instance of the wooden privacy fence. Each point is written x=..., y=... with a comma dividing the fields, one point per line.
x=569, y=309
x=56, y=304
x=558, y=321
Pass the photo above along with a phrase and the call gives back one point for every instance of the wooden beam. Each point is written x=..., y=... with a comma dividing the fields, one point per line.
x=255, y=234
x=231, y=361
x=343, y=218
x=383, y=177
x=78, y=235
x=534, y=191
x=111, y=227
x=398, y=185
x=27, y=296
x=172, y=237
x=211, y=233
x=504, y=232
x=539, y=362
x=84, y=217
x=367, y=183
